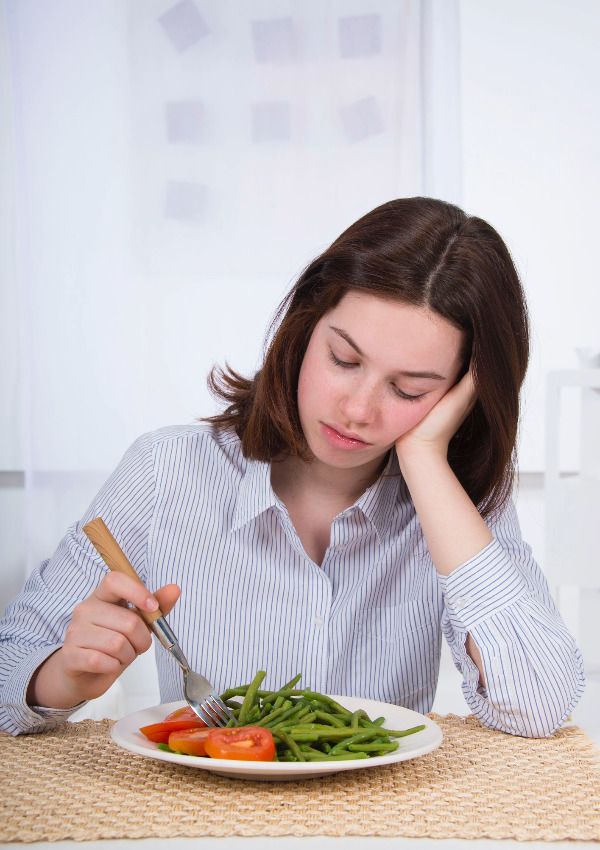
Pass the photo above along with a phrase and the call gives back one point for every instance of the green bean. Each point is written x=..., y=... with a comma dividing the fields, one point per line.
x=292, y=711
x=356, y=717
x=251, y=695
x=310, y=752
x=268, y=718
x=319, y=705
x=401, y=733
x=371, y=748
x=253, y=715
x=290, y=744
x=305, y=715
x=241, y=692
x=328, y=701
x=333, y=732
x=234, y=692
x=329, y=718
x=316, y=735
x=364, y=721
x=356, y=738
x=287, y=687
x=337, y=757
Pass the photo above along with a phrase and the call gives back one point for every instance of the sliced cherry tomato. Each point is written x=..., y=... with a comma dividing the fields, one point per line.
x=249, y=743
x=189, y=741
x=181, y=718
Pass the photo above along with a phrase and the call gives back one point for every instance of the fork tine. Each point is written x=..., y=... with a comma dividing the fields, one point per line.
x=201, y=710
x=213, y=718
x=219, y=709
x=224, y=708
x=211, y=708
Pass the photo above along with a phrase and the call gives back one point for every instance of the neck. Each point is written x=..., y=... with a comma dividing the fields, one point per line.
x=323, y=481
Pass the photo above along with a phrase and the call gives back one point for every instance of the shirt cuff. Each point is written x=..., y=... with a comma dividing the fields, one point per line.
x=24, y=717
x=484, y=584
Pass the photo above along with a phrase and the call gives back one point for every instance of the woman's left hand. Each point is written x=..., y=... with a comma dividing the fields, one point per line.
x=434, y=432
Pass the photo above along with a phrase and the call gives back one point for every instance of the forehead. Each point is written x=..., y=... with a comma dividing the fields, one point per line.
x=400, y=335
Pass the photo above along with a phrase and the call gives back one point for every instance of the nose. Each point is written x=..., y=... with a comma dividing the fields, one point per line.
x=360, y=406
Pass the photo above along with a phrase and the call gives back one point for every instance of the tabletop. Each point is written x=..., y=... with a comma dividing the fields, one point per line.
x=305, y=843
x=81, y=785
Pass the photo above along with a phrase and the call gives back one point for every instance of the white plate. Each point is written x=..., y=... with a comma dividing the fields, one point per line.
x=126, y=734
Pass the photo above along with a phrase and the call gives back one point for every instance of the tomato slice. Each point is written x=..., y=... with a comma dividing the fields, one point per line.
x=248, y=743
x=181, y=718
x=185, y=713
x=189, y=741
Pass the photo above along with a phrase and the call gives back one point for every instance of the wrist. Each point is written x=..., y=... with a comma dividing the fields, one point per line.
x=50, y=687
x=416, y=454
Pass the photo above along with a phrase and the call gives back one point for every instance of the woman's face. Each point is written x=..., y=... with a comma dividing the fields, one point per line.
x=354, y=397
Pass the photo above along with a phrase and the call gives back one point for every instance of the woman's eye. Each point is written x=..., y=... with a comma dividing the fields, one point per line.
x=405, y=396
x=343, y=363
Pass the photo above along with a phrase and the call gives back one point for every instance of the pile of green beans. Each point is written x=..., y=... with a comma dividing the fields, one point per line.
x=309, y=726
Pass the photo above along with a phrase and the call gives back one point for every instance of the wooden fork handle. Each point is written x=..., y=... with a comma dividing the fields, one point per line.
x=115, y=559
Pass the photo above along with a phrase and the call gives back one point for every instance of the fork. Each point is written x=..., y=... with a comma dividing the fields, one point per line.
x=198, y=691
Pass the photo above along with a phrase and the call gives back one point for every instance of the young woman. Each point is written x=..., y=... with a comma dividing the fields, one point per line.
x=351, y=503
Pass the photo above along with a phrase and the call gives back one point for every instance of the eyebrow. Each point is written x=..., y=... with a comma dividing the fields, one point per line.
x=405, y=374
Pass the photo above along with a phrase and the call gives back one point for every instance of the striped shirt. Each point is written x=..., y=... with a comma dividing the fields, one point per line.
x=187, y=507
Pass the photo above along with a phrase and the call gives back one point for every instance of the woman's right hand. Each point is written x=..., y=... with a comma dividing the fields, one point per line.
x=102, y=639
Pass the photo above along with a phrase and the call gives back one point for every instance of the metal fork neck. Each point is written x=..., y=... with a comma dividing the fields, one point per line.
x=163, y=632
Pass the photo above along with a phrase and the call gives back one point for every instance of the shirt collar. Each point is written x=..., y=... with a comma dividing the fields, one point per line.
x=377, y=503
x=255, y=494
x=380, y=500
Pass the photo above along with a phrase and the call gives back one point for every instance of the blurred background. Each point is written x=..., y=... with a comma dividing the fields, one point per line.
x=168, y=169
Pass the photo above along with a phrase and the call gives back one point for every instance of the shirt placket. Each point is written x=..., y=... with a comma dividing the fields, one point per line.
x=319, y=606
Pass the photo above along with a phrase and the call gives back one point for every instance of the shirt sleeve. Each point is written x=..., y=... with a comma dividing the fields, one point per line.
x=35, y=622
x=533, y=669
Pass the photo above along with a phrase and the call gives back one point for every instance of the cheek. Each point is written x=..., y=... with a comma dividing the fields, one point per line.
x=312, y=384
x=318, y=385
x=405, y=416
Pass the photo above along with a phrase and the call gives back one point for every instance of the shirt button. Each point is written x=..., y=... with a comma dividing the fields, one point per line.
x=461, y=601
x=318, y=620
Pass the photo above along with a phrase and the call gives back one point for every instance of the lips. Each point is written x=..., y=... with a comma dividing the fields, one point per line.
x=348, y=435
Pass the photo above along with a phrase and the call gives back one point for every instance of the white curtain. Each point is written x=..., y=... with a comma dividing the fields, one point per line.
x=167, y=170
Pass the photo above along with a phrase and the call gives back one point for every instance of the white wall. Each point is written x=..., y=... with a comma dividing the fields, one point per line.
x=529, y=74
x=530, y=77
x=108, y=264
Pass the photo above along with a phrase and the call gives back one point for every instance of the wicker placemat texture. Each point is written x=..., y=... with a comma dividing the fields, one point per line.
x=75, y=783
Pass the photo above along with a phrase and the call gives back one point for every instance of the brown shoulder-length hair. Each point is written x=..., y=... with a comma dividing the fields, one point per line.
x=424, y=252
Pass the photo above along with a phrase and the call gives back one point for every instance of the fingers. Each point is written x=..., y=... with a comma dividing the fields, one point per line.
x=468, y=394
x=466, y=388
x=167, y=597
x=80, y=660
x=118, y=631
x=116, y=587
x=101, y=650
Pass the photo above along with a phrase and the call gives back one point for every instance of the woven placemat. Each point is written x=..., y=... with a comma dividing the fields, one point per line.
x=75, y=783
